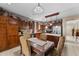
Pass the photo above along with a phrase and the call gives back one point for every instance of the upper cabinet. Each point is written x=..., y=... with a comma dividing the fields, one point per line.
x=3, y=19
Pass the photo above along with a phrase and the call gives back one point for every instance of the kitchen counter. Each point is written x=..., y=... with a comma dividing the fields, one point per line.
x=53, y=38
x=53, y=34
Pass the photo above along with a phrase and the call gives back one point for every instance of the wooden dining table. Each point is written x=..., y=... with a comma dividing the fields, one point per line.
x=41, y=47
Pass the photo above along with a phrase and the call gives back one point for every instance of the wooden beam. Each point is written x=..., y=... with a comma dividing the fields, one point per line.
x=54, y=14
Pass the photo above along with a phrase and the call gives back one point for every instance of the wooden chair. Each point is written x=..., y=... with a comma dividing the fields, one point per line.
x=43, y=36
x=25, y=46
x=58, y=50
x=26, y=34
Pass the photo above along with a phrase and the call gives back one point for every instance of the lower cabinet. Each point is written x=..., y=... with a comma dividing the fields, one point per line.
x=13, y=41
x=37, y=35
x=6, y=44
x=54, y=39
x=3, y=43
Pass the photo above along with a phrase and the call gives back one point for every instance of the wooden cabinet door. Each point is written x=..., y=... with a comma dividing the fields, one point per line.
x=37, y=35
x=3, y=37
x=3, y=43
x=9, y=37
x=12, y=29
x=13, y=41
x=3, y=19
x=12, y=33
x=55, y=39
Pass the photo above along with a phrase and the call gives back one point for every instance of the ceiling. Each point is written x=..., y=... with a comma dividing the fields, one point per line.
x=26, y=9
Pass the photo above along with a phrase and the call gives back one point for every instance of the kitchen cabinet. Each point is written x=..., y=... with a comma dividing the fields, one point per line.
x=53, y=38
x=12, y=33
x=9, y=37
x=3, y=40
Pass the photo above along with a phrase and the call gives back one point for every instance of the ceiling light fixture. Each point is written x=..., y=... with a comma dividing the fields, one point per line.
x=38, y=9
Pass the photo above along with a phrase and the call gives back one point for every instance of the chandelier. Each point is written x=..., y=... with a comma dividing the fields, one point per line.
x=38, y=9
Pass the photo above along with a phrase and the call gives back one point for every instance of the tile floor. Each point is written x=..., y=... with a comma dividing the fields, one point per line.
x=71, y=49
x=11, y=52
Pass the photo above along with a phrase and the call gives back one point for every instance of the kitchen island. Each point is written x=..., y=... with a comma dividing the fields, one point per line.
x=53, y=37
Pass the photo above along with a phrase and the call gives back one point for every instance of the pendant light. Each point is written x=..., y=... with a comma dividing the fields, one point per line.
x=38, y=9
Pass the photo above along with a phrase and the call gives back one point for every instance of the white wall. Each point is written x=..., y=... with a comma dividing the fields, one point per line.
x=69, y=28
x=68, y=25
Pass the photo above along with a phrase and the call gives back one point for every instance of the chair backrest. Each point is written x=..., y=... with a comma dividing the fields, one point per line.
x=26, y=34
x=43, y=36
x=60, y=45
x=25, y=46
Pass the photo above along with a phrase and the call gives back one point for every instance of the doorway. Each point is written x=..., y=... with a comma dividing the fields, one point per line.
x=72, y=28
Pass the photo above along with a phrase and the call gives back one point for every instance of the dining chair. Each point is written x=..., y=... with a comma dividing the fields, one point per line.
x=25, y=46
x=26, y=34
x=26, y=49
x=58, y=50
x=43, y=36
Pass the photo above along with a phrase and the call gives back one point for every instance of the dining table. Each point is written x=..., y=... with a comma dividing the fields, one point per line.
x=41, y=47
